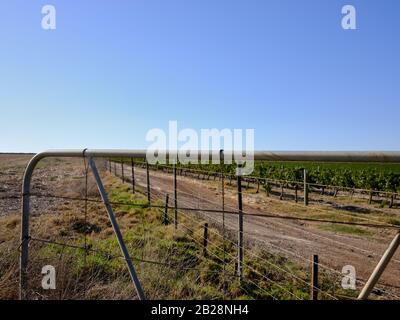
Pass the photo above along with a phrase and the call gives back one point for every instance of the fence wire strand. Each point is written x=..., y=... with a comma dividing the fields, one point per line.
x=187, y=210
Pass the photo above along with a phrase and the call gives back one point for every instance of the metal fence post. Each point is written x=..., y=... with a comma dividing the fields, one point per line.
x=165, y=216
x=305, y=188
x=205, y=239
x=175, y=199
x=314, y=278
x=122, y=171
x=148, y=183
x=240, y=234
x=133, y=175
x=222, y=179
x=391, y=203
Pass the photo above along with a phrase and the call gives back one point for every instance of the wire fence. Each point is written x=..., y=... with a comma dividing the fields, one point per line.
x=231, y=210
x=289, y=188
x=226, y=228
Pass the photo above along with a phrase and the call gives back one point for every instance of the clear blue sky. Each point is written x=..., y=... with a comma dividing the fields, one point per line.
x=115, y=69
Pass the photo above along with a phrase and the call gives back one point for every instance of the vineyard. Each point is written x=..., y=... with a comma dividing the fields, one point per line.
x=194, y=232
x=384, y=178
x=379, y=180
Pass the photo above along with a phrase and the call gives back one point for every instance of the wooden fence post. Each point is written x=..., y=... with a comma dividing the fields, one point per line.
x=305, y=188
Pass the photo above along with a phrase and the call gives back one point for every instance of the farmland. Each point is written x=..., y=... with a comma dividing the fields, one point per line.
x=277, y=251
x=379, y=183
x=368, y=176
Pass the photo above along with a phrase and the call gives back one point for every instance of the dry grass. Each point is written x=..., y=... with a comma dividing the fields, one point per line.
x=184, y=273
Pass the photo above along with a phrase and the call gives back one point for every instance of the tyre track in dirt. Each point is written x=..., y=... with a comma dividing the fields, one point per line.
x=280, y=236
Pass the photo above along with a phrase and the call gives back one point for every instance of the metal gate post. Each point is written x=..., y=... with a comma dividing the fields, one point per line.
x=240, y=234
x=117, y=231
x=24, y=255
x=380, y=267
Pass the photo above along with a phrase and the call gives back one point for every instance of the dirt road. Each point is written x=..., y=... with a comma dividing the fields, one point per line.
x=294, y=239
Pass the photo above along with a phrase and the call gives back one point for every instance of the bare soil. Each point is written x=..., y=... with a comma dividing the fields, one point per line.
x=297, y=240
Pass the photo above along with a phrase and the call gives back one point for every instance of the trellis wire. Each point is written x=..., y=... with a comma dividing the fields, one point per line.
x=294, y=182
